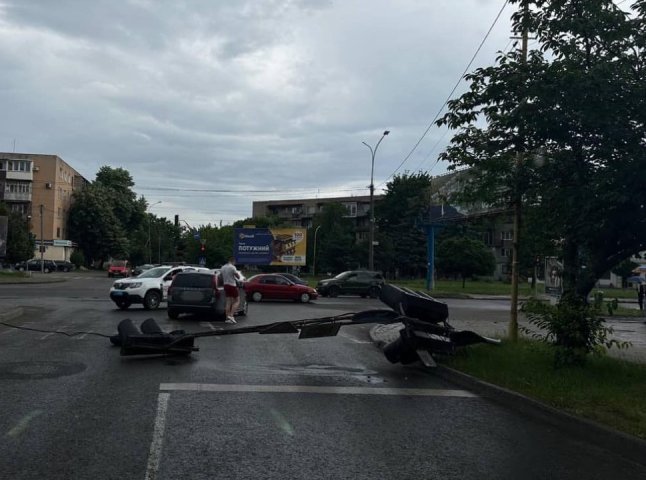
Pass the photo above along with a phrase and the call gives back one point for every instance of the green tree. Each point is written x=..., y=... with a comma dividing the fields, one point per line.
x=94, y=225
x=20, y=243
x=336, y=247
x=465, y=257
x=564, y=132
x=400, y=216
x=624, y=270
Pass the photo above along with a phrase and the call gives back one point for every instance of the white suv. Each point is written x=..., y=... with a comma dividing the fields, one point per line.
x=150, y=288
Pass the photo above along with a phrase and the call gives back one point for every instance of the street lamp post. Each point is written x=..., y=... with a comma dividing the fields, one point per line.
x=314, y=262
x=150, y=248
x=371, y=248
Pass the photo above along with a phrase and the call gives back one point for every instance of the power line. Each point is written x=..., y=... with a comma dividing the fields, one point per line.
x=437, y=115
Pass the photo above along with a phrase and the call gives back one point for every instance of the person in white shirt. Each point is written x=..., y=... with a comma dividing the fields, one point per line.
x=230, y=276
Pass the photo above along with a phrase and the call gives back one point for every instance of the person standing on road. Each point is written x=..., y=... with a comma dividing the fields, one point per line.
x=230, y=276
x=641, y=293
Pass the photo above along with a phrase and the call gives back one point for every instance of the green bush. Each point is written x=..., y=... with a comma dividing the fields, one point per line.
x=572, y=327
x=77, y=258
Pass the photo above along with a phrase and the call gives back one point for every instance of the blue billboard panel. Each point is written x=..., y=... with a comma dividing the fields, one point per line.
x=270, y=246
x=252, y=246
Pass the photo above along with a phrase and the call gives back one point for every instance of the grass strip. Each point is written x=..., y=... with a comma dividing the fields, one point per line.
x=605, y=390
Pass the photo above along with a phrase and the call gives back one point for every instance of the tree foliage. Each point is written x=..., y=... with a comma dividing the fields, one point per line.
x=564, y=132
x=401, y=215
x=465, y=257
x=106, y=219
x=20, y=243
x=336, y=246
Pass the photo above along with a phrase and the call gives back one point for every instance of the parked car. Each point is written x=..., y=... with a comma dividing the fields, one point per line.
x=196, y=291
x=138, y=270
x=293, y=278
x=118, y=268
x=64, y=266
x=34, y=266
x=150, y=288
x=354, y=282
x=277, y=287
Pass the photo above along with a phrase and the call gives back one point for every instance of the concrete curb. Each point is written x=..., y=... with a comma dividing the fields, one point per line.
x=620, y=443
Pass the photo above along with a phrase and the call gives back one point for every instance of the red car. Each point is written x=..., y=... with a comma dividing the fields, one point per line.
x=119, y=268
x=276, y=287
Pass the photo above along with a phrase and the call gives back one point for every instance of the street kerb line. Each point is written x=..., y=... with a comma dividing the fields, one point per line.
x=231, y=388
x=158, y=437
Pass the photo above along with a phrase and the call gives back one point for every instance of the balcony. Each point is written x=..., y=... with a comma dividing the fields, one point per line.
x=19, y=175
x=17, y=196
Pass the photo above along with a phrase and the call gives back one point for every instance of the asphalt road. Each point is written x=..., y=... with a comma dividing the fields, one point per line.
x=252, y=406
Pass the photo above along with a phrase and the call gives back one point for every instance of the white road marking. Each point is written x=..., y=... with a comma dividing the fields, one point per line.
x=82, y=336
x=22, y=425
x=9, y=330
x=208, y=325
x=225, y=388
x=158, y=437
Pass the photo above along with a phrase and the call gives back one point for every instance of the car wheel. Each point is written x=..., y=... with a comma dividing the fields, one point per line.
x=46, y=270
x=256, y=296
x=21, y=269
x=304, y=298
x=66, y=270
x=334, y=291
x=123, y=304
x=152, y=300
x=173, y=314
x=374, y=292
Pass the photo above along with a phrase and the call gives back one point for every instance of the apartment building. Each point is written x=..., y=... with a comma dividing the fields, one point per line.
x=299, y=213
x=41, y=186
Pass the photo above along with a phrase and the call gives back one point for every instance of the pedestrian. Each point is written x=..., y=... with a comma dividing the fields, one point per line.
x=641, y=293
x=230, y=276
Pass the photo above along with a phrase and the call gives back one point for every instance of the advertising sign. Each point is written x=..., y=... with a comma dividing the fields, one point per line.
x=4, y=229
x=270, y=246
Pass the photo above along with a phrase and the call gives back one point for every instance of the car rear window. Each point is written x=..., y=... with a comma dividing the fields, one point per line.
x=193, y=280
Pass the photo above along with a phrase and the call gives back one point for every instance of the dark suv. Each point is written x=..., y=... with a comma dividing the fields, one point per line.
x=197, y=292
x=355, y=282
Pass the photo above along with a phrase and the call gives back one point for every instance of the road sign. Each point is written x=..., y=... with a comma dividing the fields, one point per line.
x=202, y=261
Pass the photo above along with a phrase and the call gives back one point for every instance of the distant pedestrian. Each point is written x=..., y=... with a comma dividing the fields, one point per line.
x=230, y=276
x=641, y=293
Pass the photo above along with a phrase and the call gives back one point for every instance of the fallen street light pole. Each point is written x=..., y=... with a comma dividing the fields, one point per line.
x=425, y=331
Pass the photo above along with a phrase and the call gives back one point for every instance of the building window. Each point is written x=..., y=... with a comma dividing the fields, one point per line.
x=58, y=232
x=506, y=235
x=505, y=252
x=488, y=238
x=351, y=209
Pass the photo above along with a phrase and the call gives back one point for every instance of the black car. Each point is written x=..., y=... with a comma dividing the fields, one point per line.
x=35, y=266
x=356, y=282
x=293, y=278
x=197, y=292
x=64, y=266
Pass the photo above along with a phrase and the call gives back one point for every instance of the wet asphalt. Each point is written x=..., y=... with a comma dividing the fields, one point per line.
x=72, y=408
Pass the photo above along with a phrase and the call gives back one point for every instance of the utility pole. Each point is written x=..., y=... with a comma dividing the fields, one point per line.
x=513, y=320
x=42, y=246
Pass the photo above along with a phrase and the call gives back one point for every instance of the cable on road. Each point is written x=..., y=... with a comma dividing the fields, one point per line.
x=67, y=334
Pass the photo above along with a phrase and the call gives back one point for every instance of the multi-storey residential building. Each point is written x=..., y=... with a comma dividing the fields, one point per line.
x=36, y=185
x=299, y=213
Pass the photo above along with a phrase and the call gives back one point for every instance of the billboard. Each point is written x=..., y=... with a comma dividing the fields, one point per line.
x=270, y=246
x=4, y=230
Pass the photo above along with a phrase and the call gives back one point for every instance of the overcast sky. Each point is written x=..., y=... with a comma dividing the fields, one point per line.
x=267, y=99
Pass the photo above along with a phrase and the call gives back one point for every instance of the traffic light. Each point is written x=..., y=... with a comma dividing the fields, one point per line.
x=202, y=248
